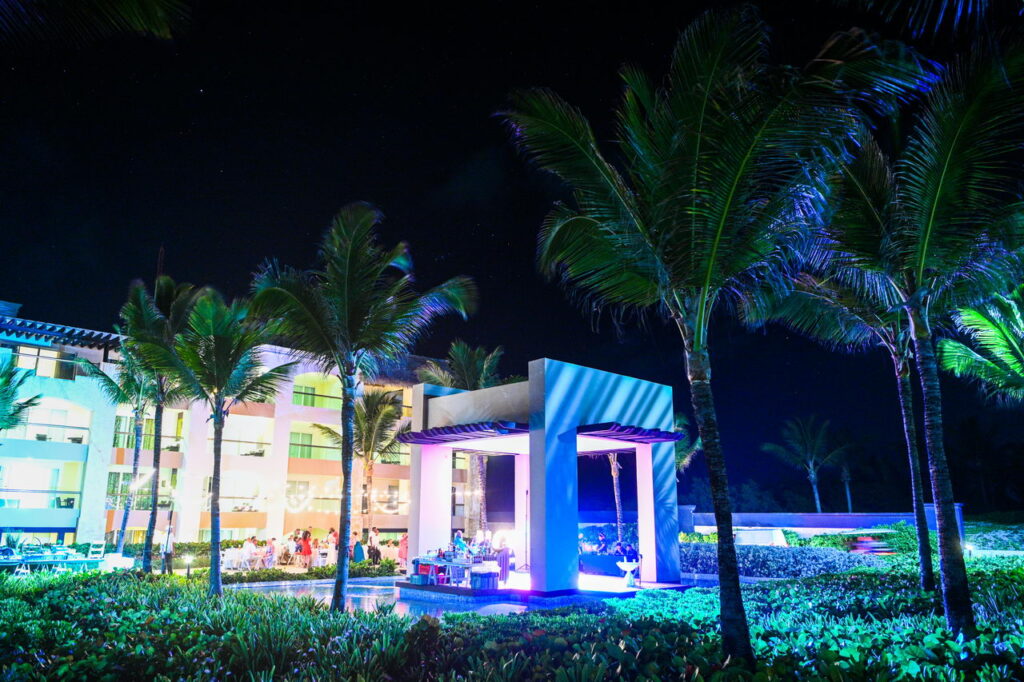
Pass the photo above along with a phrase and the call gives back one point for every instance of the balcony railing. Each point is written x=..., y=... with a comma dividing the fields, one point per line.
x=304, y=451
x=238, y=504
x=168, y=443
x=53, y=433
x=24, y=498
x=142, y=502
x=242, y=448
x=310, y=399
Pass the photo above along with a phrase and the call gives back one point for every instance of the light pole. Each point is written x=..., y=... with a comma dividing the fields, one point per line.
x=188, y=565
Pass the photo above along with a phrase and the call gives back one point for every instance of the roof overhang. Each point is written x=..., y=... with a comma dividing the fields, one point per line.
x=506, y=437
x=29, y=330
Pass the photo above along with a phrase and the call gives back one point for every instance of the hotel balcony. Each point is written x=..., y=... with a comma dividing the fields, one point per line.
x=39, y=510
x=46, y=441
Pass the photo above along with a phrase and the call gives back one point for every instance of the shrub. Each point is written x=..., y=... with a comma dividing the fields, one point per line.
x=902, y=541
x=698, y=537
x=872, y=624
x=629, y=533
x=361, y=569
x=760, y=561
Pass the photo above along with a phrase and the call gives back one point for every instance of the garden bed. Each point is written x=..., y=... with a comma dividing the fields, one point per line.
x=871, y=623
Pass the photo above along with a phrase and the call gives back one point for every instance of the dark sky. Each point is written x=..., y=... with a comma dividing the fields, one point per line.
x=238, y=140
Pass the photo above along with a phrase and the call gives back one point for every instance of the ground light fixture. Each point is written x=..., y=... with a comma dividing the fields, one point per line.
x=188, y=565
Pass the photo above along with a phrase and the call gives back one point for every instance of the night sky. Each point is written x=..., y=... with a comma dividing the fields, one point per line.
x=238, y=141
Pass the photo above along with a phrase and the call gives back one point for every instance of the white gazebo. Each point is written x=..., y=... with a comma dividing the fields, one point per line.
x=546, y=422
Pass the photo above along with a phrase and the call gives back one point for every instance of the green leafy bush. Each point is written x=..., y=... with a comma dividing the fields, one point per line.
x=698, y=537
x=871, y=624
x=996, y=536
x=902, y=541
x=760, y=561
x=360, y=569
x=629, y=533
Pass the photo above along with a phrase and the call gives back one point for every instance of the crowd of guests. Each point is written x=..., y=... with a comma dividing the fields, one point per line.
x=623, y=549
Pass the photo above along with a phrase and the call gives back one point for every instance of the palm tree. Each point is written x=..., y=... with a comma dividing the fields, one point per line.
x=133, y=386
x=35, y=21
x=355, y=311
x=469, y=368
x=858, y=316
x=12, y=410
x=712, y=188
x=377, y=425
x=942, y=241
x=217, y=361
x=844, y=476
x=806, y=445
x=995, y=359
x=158, y=319
x=686, y=448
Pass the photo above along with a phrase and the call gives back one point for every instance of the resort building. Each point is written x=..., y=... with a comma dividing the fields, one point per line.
x=66, y=473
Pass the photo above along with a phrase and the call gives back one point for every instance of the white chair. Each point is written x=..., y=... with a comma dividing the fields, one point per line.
x=230, y=558
x=96, y=550
x=21, y=571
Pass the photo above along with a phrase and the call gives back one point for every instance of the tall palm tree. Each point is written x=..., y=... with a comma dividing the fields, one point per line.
x=856, y=316
x=712, y=188
x=806, y=444
x=158, y=319
x=356, y=310
x=377, y=425
x=133, y=386
x=943, y=240
x=217, y=361
x=469, y=368
x=13, y=411
x=995, y=358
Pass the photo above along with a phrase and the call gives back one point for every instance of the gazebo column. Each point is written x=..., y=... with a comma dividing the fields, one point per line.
x=430, y=513
x=657, y=512
x=522, y=509
x=554, y=509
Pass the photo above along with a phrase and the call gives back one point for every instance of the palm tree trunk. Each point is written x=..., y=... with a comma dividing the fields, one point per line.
x=924, y=546
x=216, y=589
x=369, y=495
x=813, y=478
x=131, y=489
x=849, y=498
x=613, y=460
x=348, y=426
x=956, y=596
x=154, y=489
x=482, y=487
x=735, y=632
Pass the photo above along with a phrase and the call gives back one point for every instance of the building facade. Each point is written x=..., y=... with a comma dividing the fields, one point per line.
x=66, y=473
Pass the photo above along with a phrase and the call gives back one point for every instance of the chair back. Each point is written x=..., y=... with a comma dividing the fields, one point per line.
x=96, y=550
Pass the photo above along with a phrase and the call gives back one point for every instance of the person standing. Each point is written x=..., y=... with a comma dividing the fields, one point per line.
x=403, y=551
x=167, y=551
x=357, y=549
x=306, y=551
x=374, y=544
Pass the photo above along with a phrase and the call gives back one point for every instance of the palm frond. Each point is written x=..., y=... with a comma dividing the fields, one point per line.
x=13, y=408
x=996, y=360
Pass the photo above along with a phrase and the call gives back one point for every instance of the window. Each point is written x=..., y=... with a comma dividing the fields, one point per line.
x=300, y=445
x=304, y=395
x=46, y=362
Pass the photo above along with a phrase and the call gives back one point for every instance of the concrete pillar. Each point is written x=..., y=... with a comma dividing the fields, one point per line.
x=554, y=490
x=522, y=509
x=430, y=513
x=657, y=512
